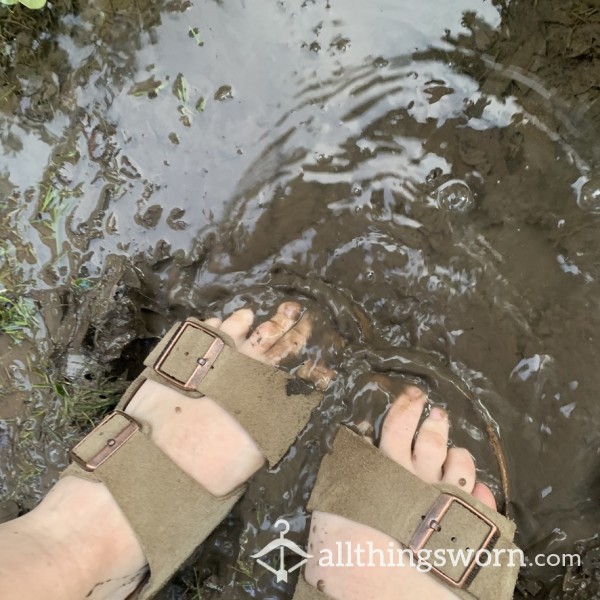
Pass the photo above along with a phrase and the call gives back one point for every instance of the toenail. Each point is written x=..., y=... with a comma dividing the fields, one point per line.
x=414, y=393
x=291, y=310
x=437, y=414
x=462, y=482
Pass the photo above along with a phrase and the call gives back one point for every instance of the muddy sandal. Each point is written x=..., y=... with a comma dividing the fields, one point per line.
x=358, y=482
x=169, y=511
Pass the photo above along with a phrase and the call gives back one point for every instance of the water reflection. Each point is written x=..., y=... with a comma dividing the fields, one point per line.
x=358, y=157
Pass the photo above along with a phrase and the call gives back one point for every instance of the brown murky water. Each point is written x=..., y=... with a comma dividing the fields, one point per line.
x=423, y=176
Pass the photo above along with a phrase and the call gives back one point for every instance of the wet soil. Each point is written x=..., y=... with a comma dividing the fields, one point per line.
x=425, y=179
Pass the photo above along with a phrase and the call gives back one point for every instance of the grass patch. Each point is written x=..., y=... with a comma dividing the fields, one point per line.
x=82, y=403
x=16, y=315
x=55, y=205
x=85, y=406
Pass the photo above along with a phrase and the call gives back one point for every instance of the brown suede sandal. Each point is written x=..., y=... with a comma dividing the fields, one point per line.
x=358, y=482
x=171, y=513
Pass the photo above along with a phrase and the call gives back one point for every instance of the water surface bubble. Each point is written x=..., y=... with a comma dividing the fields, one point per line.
x=588, y=198
x=455, y=195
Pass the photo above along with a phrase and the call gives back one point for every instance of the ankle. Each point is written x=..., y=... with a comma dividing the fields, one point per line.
x=79, y=531
x=81, y=527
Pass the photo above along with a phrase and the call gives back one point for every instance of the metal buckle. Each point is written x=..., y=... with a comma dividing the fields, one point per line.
x=203, y=363
x=432, y=524
x=112, y=444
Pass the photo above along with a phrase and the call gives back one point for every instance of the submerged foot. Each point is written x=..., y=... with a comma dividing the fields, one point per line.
x=427, y=455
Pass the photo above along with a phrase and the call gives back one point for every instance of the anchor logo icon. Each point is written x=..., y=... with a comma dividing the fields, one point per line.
x=281, y=544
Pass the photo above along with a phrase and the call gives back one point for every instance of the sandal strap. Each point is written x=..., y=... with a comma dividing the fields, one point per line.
x=150, y=488
x=199, y=360
x=358, y=482
x=169, y=511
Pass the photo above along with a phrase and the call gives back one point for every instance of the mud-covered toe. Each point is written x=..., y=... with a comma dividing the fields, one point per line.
x=169, y=511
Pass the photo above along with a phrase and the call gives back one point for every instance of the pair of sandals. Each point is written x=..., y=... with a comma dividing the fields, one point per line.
x=172, y=514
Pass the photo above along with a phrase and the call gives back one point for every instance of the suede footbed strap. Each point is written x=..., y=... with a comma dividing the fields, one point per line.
x=171, y=513
x=360, y=483
x=272, y=406
x=162, y=503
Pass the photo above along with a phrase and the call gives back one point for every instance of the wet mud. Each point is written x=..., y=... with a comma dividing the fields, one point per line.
x=425, y=180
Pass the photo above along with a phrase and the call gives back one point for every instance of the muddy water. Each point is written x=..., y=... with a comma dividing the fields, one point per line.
x=410, y=172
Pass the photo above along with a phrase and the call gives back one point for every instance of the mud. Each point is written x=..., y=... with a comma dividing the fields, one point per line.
x=425, y=180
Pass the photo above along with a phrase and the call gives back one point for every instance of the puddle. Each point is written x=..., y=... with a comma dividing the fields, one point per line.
x=425, y=180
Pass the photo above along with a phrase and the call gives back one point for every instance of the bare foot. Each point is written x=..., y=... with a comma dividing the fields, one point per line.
x=196, y=433
x=430, y=459
x=82, y=544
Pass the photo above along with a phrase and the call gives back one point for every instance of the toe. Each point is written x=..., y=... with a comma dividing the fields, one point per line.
x=292, y=342
x=400, y=425
x=483, y=493
x=213, y=322
x=459, y=469
x=267, y=334
x=238, y=325
x=431, y=446
x=317, y=372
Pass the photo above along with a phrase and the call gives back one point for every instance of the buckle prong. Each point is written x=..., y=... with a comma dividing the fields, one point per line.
x=433, y=524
